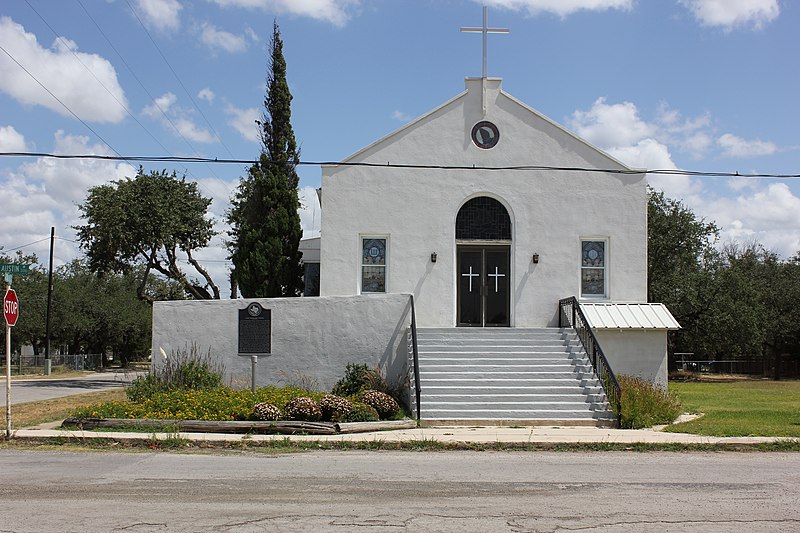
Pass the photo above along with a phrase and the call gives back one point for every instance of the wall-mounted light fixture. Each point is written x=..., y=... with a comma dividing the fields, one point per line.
x=535, y=259
x=433, y=257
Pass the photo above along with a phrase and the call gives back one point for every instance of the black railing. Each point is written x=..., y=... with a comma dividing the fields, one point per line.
x=415, y=352
x=571, y=315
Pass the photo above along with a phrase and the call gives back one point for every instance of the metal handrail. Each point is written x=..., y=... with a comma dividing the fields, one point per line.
x=415, y=351
x=571, y=314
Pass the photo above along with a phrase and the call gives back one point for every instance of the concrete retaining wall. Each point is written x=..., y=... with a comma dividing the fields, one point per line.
x=312, y=338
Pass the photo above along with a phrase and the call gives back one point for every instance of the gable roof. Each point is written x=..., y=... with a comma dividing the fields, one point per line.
x=389, y=139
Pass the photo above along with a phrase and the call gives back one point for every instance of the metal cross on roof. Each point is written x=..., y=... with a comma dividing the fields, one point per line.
x=485, y=30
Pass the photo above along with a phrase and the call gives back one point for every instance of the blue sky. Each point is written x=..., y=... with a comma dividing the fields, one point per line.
x=706, y=85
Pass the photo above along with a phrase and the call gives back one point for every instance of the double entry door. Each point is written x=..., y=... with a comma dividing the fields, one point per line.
x=484, y=279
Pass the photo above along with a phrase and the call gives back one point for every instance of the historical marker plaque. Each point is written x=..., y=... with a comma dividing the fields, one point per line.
x=255, y=330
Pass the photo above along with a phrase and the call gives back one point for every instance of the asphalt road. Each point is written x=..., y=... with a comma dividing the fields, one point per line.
x=34, y=390
x=399, y=491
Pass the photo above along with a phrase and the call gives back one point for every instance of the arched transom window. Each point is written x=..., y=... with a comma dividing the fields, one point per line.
x=483, y=218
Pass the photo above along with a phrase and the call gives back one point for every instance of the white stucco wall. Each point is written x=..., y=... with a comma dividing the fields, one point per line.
x=636, y=352
x=550, y=211
x=311, y=337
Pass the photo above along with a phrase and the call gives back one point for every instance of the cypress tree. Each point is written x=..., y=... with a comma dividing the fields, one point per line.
x=265, y=224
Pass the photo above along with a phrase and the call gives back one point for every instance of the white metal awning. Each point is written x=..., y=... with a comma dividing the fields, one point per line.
x=628, y=316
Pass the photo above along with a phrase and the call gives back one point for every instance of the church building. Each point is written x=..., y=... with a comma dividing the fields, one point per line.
x=482, y=256
x=488, y=213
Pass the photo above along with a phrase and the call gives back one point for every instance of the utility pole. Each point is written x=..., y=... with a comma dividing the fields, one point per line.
x=47, y=363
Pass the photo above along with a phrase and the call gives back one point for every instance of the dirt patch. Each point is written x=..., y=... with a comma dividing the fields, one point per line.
x=699, y=377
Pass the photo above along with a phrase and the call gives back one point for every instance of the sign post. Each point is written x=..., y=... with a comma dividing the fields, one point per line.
x=11, y=314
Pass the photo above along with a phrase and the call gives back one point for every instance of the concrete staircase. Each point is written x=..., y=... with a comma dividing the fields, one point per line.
x=508, y=376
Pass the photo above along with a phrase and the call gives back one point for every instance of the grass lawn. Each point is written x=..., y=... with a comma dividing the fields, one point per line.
x=33, y=413
x=742, y=408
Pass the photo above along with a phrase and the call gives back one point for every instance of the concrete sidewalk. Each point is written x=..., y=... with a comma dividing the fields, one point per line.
x=455, y=434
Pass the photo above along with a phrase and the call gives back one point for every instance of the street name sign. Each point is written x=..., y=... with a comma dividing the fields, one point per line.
x=14, y=268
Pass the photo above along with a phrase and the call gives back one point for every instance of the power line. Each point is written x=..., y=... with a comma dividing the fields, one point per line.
x=122, y=105
x=150, y=95
x=389, y=165
x=26, y=245
x=191, y=98
x=59, y=101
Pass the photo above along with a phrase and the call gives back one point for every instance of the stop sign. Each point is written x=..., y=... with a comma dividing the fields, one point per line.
x=11, y=307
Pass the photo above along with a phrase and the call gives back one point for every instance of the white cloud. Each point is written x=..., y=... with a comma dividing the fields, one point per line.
x=177, y=119
x=46, y=192
x=206, y=94
x=562, y=8
x=399, y=115
x=160, y=106
x=733, y=146
x=619, y=130
x=217, y=39
x=63, y=70
x=333, y=11
x=244, y=121
x=611, y=125
x=766, y=213
x=11, y=140
x=697, y=144
x=251, y=33
x=732, y=13
x=192, y=131
x=160, y=14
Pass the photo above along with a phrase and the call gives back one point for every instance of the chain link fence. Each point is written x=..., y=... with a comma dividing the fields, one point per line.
x=34, y=364
x=783, y=366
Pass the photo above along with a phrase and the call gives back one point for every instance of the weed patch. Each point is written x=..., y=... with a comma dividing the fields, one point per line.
x=643, y=404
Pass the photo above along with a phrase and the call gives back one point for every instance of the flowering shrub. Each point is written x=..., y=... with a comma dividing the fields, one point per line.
x=359, y=377
x=266, y=411
x=362, y=412
x=385, y=405
x=335, y=408
x=222, y=403
x=303, y=408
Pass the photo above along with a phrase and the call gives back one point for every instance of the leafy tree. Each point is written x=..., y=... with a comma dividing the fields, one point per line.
x=146, y=221
x=31, y=290
x=681, y=268
x=265, y=224
x=97, y=313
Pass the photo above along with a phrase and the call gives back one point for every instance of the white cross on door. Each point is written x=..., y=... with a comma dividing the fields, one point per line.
x=470, y=276
x=496, y=277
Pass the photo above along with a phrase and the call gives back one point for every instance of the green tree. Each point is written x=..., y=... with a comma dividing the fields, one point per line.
x=682, y=269
x=97, y=313
x=265, y=224
x=31, y=290
x=146, y=221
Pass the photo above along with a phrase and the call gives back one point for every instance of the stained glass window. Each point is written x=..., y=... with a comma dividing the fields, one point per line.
x=373, y=265
x=483, y=218
x=593, y=268
x=311, y=279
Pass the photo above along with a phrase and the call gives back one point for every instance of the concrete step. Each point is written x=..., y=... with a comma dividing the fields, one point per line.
x=467, y=365
x=544, y=405
x=518, y=398
x=508, y=380
x=439, y=390
x=427, y=349
x=514, y=414
x=526, y=375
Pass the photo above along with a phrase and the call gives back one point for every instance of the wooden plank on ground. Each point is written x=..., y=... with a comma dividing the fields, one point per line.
x=208, y=426
x=360, y=427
